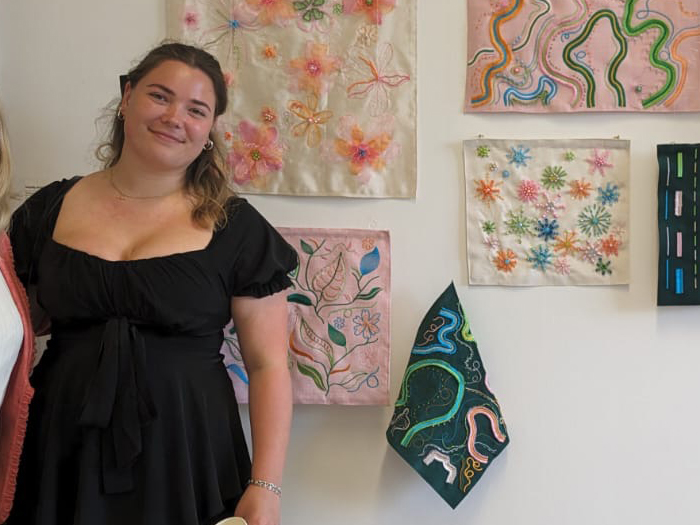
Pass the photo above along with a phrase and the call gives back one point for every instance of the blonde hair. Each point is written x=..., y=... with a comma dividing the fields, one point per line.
x=4, y=177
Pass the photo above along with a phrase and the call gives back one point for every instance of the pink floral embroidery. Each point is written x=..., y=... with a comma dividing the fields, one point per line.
x=550, y=206
x=589, y=252
x=268, y=114
x=256, y=153
x=372, y=9
x=561, y=266
x=528, y=191
x=492, y=242
x=191, y=19
x=599, y=162
x=312, y=71
x=366, y=151
x=277, y=12
x=229, y=78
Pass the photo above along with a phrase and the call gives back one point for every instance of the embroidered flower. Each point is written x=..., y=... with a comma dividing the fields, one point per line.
x=603, y=267
x=518, y=156
x=561, y=266
x=228, y=136
x=528, y=191
x=519, y=224
x=550, y=206
x=229, y=78
x=488, y=190
x=488, y=227
x=268, y=115
x=310, y=10
x=493, y=166
x=610, y=245
x=580, y=189
x=505, y=174
x=546, y=229
x=608, y=195
x=374, y=10
x=599, y=162
x=569, y=156
x=505, y=260
x=277, y=12
x=540, y=257
x=594, y=220
x=567, y=243
x=366, y=36
x=367, y=243
x=191, y=19
x=366, y=151
x=313, y=71
x=553, y=177
x=589, y=252
x=255, y=153
x=339, y=323
x=483, y=151
x=269, y=51
x=366, y=324
x=338, y=9
x=492, y=242
x=312, y=120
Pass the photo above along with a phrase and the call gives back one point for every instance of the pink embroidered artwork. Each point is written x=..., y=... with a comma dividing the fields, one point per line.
x=339, y=319
x=322, y=93
x=552, y=212
x=570, y=55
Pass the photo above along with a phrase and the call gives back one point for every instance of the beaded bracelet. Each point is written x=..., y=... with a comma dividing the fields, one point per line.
x=266, y=485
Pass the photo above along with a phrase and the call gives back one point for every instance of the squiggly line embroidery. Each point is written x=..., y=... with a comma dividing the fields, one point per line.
x=436, y=420
x=495, y=429
x=434, y=455
x=445, y=346
x=540, y=92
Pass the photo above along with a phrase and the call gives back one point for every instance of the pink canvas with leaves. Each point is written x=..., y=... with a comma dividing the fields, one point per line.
x=322, y=93
x=339, y=319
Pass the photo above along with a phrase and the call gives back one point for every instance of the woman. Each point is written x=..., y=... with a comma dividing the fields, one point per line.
x=16, y=348
x=139, y=267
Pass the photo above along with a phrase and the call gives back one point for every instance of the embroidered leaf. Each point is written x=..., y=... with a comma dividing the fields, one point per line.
x=294, y=273
x=318, y=2
x=336, y=335
x=300, y=5
x=307, y=16
x=313, y=341
x=369, y=262
x=317, y=13
x=310, y=371
x=299, y=298
x=369, y=295
x=329, y=281
x=307, y=249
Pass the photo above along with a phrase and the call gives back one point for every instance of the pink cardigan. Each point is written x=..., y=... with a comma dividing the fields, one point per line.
x=15, y=407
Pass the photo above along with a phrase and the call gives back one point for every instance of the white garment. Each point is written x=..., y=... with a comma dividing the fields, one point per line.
x=11, y=335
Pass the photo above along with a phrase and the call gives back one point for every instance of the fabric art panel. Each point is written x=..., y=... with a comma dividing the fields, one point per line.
x=447, y=424
x=570, y=55
x=322, y=93
x=678, y=224
x=547, y=212
x=339, y=319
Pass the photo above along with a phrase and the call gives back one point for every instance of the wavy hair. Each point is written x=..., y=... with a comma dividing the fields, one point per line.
x=205, y=180
x=5, y=176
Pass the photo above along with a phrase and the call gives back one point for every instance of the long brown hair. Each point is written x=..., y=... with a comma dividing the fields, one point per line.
x=205, y=181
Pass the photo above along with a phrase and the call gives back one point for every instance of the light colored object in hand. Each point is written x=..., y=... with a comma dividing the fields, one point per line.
x=233, y=521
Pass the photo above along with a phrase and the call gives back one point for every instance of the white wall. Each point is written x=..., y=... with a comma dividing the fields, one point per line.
x=598, y=386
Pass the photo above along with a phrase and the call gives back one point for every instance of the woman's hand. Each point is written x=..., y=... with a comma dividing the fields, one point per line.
x=259, y=506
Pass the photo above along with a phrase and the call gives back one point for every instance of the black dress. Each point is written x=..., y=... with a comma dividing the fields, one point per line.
x=134, y=420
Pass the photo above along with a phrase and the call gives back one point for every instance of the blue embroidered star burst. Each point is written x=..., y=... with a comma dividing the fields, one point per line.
x=546, y=229
x=540, y=257
x=518, y=156
x=609, y=195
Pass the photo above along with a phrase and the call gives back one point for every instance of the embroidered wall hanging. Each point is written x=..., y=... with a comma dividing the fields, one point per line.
x=339, y=319
x=571, y=55
x=322, y=92
x=447, y=423
x=547, y=212
x=678, y=224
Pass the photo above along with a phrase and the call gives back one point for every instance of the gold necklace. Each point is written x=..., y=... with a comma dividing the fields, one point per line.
x=124, y=196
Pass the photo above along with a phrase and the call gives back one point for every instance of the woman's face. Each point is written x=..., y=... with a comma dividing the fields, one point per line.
x=168, y=115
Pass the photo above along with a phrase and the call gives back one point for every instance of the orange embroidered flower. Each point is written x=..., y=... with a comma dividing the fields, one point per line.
x=488, y=190
x=255, y=153
x=364, y=151
x=277, y=12
x=610, y=246
x=268, y=114
x=567, y=243
x=505, y=260
x=580, y=189
x=311, y=120
x=228, y=136
x=312, y=71
x=367, y=243
x=269, y=51
x=372, y=9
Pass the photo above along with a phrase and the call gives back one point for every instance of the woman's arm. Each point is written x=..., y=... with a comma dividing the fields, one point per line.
x=261, y=325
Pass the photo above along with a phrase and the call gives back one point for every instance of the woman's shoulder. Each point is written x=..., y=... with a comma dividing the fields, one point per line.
x=49, y=192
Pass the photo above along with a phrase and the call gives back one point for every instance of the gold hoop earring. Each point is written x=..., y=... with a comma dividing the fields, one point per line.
x=209, y=145
x=120, y=115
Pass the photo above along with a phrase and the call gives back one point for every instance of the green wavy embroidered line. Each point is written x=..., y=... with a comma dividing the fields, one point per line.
x=615, y=64
x=654, y=53
x=437, y=420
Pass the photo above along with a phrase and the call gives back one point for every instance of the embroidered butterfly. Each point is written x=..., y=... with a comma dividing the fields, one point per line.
x=375, y=82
